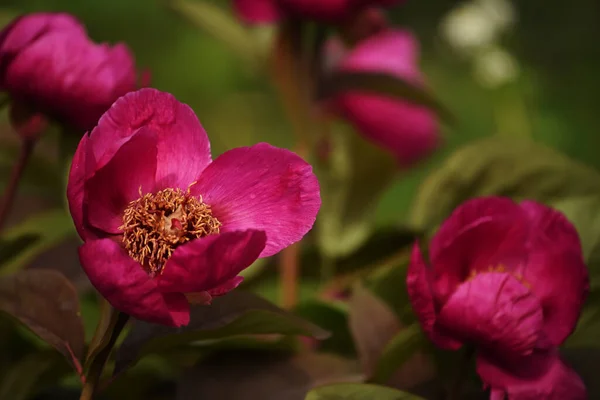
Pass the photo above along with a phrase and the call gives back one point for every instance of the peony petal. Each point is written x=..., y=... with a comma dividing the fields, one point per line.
x=480, y=234
x=129, y=172
x=556, y=270
x=127, y=287
x=183, y=146
x=226, y=287
x=421, y=298
x=75, y=187
x=542, y=376
x=208, y=263
x=264, y=188
x=409, y=131
x=494, y=311
x=257, y=11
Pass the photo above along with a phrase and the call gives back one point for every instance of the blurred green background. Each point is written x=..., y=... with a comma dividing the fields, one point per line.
x=552, y=97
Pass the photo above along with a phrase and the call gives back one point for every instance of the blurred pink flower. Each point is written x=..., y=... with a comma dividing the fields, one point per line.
x=268, y=11
x=510, y=279
x=407, y=130
x=48, y=63
x=162, y=223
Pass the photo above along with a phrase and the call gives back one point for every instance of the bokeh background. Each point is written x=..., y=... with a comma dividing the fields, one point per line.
x=526, y=68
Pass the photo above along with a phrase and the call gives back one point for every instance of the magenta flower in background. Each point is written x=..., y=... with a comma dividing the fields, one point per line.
x=268, y=11
x=49, y=65
x=162, y=223
x=407, y=130
x=510, y=279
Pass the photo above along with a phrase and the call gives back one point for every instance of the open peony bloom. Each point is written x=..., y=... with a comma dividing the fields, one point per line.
x=268, y=11
x=49, y=65
x=510, y=279
x=407, y=130
x=162, y=223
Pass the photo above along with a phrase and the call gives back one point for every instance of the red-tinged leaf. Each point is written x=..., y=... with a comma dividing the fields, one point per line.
x=239, y=375
x=235, y=314
x=47, y=303
x=389, y=352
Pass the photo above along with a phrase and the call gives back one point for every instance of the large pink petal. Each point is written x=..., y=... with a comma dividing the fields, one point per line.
x=257, y=11
x=541, y=376
x=480, y=234
x=28, y=28
x=495, y=311
x=183, y=146
x=421, y=298
x=75, y=187
x=556, y=269
x=408, y=131
x=131, y=170
x=206, y=264
x=264, y=188
x=127, y=287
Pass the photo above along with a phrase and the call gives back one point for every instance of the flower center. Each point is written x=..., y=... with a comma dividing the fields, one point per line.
x=503, y=269
x=157, y=223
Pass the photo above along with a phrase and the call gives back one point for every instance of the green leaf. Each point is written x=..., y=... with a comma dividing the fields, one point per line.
x=221, y=25
x=357, y=391
x=235, y=314
x=588, y=327
x=389, y=284
x=335, y=320
x=403, y=350
x=384, y=84
x=240, y=375
x=22, y=243
x=356, y=175
x=47, y=303
x=503, y=167
x=584, y=213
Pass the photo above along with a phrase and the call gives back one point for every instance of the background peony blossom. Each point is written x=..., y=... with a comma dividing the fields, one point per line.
x=49, y=65
x=407, y=130
x=268, y=11
x=509, y=278
x=145, y=175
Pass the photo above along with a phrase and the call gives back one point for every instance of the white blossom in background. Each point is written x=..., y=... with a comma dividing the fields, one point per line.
x=473, y=29
x=495, y=67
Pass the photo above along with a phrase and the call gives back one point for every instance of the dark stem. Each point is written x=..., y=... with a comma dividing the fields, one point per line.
x=97, y=366
x=15, y=176
x=461, y=375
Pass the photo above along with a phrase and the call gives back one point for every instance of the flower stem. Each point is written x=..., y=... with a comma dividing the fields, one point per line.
x=97, y=365
x=289, y=271
x=15, y=176
x=461, y=375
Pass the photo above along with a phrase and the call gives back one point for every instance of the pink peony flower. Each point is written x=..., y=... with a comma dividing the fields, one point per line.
x=268, y=11
x=162, y=223
x=510, y=279
x=48, y=63
x=407, y=130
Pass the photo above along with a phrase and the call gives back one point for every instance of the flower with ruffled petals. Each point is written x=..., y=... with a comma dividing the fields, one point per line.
x=268, y=11
x=164, y=224
x=510, y=279
x=49, y=65
x=407, y=130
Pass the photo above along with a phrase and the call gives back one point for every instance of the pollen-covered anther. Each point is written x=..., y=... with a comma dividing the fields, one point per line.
x=502, y=269
x=156, y=223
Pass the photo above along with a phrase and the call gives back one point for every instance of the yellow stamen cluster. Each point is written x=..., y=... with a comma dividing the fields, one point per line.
x=499, y=268
x=156, y=223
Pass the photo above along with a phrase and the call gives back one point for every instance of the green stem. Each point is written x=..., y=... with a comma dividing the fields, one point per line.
x=15, y=177
x=461, y=375
x=94, y=372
